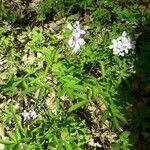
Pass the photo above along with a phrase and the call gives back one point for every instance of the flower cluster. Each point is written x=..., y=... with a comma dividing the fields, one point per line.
x=29, y=115
x=76, y=39
x=122, y=44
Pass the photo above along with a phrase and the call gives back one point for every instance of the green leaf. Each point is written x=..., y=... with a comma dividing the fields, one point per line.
x=115, y=146
x=102, y=69
x=124, y=135
x=17, y=135
x=105, y=116
x=67, y=145
x=116, y=123
x=29, y=90
x=6, y=142
x=77, y=105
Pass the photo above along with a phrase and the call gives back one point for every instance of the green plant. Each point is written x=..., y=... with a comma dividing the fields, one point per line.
x=123, y=142
x=50, y=130
x=40, y=71
x=4, y=14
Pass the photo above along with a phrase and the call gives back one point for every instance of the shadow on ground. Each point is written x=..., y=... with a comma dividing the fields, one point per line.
x=136, y=92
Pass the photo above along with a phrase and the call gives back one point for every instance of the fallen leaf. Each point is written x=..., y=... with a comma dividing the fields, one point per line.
x=2, y=131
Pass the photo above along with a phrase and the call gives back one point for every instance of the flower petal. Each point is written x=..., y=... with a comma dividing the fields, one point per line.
x=81, y=41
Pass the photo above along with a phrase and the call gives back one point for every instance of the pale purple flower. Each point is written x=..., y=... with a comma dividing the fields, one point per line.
x=76, y=40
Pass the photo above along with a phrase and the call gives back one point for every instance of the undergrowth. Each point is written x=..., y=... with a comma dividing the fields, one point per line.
x=47, y=90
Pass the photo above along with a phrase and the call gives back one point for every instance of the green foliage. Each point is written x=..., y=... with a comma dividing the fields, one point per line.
x=50, y=131
x=82, y=78
x=122, y=142
x=49, y=7
x=4, y=14
x=38, y=63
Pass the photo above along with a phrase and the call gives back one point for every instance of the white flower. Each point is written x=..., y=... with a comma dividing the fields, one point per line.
x=98, y=145
x=122, y=44
x=26, y=115
x=76, y=39
x=29, y=115
x=76, y=43
x=94, y=144
x=33, y=114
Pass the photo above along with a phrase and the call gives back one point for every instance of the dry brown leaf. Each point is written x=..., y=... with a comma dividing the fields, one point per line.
x=2, y=131
x=87, y=18
x=50, y=99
